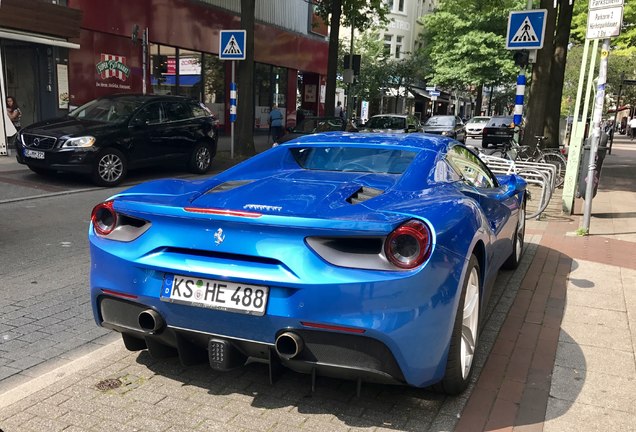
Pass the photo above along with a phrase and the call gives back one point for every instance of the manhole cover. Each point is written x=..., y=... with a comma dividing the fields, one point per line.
x=109, y=384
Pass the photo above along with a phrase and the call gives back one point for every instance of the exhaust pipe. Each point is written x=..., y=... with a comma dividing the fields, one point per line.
x=288, y=345
x=150, y=321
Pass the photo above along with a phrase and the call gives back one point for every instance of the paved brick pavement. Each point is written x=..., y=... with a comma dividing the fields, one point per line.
x=556, y=354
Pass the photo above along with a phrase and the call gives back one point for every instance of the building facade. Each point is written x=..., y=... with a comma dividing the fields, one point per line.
x=167, y=47
x=35, y=40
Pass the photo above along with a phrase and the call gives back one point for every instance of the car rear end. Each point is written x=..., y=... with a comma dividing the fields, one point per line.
x=498, y=130
x=344, y=296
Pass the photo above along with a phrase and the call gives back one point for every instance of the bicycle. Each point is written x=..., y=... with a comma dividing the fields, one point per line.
x=515, y=152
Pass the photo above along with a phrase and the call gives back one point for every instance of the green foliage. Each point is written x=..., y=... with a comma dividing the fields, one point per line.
x=625, y=44
x=622, y=59
x=360, y=13
x=464, y=43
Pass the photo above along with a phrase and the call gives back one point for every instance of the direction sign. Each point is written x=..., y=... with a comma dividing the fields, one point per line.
x=434, y=92
x=604, y=23
x=526, y=29
x=232, y=45
x=600, y=4
x=429, y=88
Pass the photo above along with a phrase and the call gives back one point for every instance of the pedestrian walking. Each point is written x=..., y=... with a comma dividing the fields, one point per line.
x=339, y=112
x=632, y=126
x=276, y=123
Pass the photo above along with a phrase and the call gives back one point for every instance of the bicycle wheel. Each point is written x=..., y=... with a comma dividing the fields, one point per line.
x=559, y=162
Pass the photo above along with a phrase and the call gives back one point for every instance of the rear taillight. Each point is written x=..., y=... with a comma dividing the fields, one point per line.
x=104, y=218
x=409, y=245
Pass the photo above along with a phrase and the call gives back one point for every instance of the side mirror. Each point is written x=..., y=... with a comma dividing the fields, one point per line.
x=511, y=184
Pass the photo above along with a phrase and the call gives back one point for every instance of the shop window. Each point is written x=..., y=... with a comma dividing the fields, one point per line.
x=270, y=88
x=189, y=74
x=214, y=84
x=163, y=67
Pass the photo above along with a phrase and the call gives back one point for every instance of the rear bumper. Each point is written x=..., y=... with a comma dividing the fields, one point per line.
x=325, y=353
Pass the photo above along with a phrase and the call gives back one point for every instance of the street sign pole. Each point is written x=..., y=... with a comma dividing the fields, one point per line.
x=233, y=97
x=232, y=47
x=596, y=135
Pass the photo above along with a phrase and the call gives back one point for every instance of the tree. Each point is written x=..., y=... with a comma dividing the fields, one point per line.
x=353, y=13
x=245, y=109
x=540, y=82
x=464, y=44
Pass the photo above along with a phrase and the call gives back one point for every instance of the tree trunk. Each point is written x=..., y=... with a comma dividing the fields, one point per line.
x=245, y=83
x=479, y=101
x=490, y=100
x=557, y=73
x=332, y=63
x=540, y=86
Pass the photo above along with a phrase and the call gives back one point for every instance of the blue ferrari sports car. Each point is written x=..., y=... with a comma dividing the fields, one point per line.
x=359, y=256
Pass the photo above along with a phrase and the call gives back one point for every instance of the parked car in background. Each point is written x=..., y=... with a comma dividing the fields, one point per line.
x=394, y=123
x=475, y=126
x=358, y=256
x=498, y=130
x=446, y=125
x=108, y=136
x=311, y=125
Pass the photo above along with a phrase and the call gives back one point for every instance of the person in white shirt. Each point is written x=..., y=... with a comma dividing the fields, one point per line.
x=632, y=125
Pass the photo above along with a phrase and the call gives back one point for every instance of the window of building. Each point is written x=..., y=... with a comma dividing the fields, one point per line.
x=270, y=88
x=189, y=74
x=398, y=46
x=401, y=5
x=388, y=40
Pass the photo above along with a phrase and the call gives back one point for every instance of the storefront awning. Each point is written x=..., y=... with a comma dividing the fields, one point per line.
x=418, y=92
x=36, y=38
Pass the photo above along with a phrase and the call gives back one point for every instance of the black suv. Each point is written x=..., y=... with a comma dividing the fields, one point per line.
x=109, y=135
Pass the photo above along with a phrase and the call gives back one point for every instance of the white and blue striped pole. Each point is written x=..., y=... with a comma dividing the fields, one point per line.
x=232, y=109
x=521, y=90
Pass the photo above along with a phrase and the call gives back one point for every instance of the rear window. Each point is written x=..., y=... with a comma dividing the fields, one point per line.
x=500, y=121
x=342, y=159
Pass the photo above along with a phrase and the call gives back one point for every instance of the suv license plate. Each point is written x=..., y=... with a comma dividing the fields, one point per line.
x=35, y=154
x=215, y=294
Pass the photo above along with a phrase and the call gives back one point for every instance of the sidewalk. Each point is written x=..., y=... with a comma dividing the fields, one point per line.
x=564, y=358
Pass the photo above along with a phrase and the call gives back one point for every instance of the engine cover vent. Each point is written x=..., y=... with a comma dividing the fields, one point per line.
x=229, y=185
x=364, y=194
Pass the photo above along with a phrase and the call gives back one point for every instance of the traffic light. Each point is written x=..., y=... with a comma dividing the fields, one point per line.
x=521, y=58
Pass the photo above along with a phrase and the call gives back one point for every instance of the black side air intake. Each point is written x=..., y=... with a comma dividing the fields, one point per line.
x=229, y=185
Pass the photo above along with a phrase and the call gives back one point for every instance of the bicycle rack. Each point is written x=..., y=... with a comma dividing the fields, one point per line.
x=536, y=173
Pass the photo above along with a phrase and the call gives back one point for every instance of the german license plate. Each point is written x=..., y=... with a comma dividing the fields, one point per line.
x=35, y=154
x=215, y=294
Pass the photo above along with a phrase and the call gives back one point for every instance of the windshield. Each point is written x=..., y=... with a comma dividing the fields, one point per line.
x=107, y=110
x=370, y=160
x=386, y=122
x=479, y=120
x=441, y=121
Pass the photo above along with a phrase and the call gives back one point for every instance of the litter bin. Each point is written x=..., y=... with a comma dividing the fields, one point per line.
x=585, y=165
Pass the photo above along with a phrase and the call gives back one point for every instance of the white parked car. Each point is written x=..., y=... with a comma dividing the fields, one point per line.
x=475, y=126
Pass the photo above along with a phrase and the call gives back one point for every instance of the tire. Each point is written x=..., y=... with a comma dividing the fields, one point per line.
x=518, y=242
x=560, y=164
x=485, y=144
x=499, y=153
x=200, y=159
x=110, y=168
x=463, y=343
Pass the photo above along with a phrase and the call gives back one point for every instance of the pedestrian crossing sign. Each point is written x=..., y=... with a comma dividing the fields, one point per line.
x=232, y=45
x=526, y=29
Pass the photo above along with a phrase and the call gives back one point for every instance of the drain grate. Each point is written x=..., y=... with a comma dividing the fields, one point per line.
x=109, y=384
